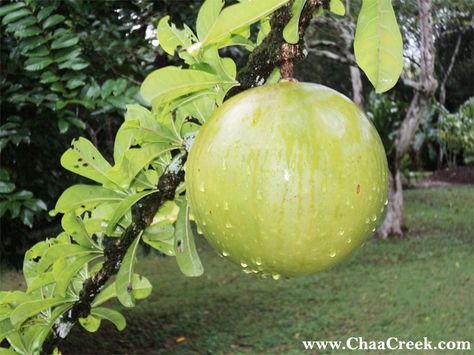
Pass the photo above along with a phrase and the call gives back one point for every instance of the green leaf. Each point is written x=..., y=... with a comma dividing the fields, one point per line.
x=291, y=30
x=65, y=41
x=30, y=44
x=170, y=37
x=85, y=197
x=84, y=159
x=53, y=21
x=6, y=187
x=67, y=54
x=274, y=76
x=124, y=206
x=41, y=280
x=133, y=161
x=207, y=15
x=378, y=45
x=15, y=15
x=41, y=51
x=160, y=237
x=124, y=280
x=263, y=31
x=63, y=126
x=28, y=32
x=45, y=12
x=337, y=7
x=29, y=309
x=5, y=9
x=23, y=23
x=6, y=328
x=90, y=323
x=141, y=289
x=64, y=271
x=32, y=257
x=235, y=17
x=60, y=251
x=74, y=226
x=37, y=63
x=169, y=83
x=185, y=249
x=111, y=315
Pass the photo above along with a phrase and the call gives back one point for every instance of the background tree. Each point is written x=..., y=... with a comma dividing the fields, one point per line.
x=67, y=67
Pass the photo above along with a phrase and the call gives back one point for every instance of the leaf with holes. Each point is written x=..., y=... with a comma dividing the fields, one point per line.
x=84, y=159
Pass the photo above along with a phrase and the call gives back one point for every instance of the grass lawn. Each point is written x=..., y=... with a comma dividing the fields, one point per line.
x=421, y=286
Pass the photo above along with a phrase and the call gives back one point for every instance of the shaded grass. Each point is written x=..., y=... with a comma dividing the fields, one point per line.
x=421, y=286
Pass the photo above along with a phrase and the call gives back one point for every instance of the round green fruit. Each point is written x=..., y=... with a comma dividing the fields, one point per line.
x=287, y=179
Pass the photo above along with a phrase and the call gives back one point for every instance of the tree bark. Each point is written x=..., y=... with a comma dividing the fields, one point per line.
x=357, y=88
x=442, y=86
x=426, y=88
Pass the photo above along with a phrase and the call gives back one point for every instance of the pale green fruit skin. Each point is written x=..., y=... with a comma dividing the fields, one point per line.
x=287, y=179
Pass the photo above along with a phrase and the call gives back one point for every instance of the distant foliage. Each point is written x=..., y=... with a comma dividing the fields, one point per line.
x=58, y=78
x=456, y=132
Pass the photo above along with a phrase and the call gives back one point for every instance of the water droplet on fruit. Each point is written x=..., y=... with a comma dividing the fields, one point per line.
x=224, y=165
x=202, y=188
x=258, y=261
x=104, y=224
x=226, y=205
x=228, y=225
x=259, y=195
x=349, y=240
x=224, y=253
x=386, y=203
x=276, y=276
x=374, y=218
x=367, y=221
x=243, y=264
x=286, y=175
x=341, y=232
x=332, y=253
x=247, y=271
x=373, y=229
x=203, y=223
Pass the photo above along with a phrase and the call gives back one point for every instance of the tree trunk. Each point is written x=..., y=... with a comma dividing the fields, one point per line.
x=357, y=88
x=424, y=92
x=395, y=208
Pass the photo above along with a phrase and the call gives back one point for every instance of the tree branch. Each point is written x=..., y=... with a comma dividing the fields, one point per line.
x=142, y=216
x=442, y=86
x=272, y=52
